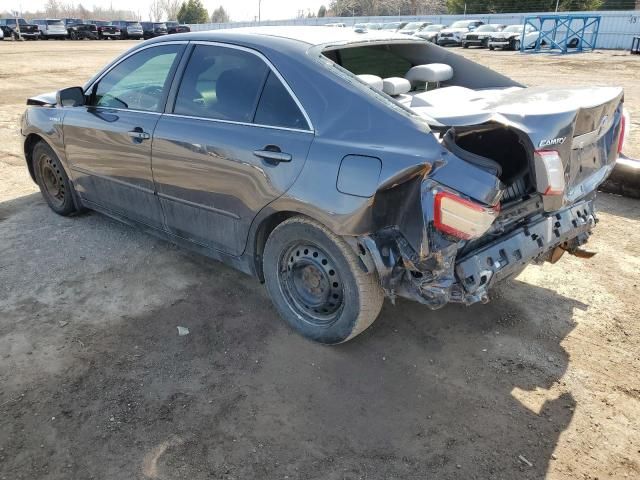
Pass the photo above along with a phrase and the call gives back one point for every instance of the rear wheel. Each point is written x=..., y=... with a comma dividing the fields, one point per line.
x=317, y=284
x=52, y=179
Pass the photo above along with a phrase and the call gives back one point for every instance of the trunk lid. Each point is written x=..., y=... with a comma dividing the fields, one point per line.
x=582, y=124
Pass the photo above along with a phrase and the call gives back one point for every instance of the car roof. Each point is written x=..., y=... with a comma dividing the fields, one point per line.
x=310, y=35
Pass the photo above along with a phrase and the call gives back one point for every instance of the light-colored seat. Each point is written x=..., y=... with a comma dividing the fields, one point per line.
x=429, y=73
x=373, y=81
x=395, y=86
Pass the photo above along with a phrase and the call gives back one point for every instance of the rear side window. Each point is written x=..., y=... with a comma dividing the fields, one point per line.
x=277, y=108
x=221, y=83
x=373, y=60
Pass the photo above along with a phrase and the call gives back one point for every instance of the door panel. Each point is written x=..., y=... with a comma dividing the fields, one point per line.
x=111, y=168
x=211, y=184
x=108, y=142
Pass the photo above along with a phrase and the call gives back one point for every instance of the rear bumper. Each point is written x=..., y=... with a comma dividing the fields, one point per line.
x=446, y=276
x=481, y=269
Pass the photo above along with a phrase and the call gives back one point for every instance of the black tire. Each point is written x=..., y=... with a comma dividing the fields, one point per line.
x=317, y=284
x=465, y=45
x=53, y=180
x=516, y=45
x=492, y=48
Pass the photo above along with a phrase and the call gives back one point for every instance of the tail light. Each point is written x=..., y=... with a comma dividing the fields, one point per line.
x=623, y=126
x=462, y=218
x=549, y=172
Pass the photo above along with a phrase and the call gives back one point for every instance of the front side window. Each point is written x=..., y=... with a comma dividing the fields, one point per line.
x=221, y=83
x=139, y=82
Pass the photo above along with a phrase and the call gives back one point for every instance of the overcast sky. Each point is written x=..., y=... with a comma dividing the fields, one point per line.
x=238, y=9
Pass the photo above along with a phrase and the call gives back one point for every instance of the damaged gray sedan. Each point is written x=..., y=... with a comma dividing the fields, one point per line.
x=338, y=167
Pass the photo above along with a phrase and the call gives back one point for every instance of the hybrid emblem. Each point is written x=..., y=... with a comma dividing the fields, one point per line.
x=553, y=141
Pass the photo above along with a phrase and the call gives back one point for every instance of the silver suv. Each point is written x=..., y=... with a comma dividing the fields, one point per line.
x=51, y=28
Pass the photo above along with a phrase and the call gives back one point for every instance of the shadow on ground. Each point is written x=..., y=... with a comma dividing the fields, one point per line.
x=421, y=394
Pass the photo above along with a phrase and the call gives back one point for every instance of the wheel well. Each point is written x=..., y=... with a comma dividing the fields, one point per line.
x=264, y=230
x=29, y=145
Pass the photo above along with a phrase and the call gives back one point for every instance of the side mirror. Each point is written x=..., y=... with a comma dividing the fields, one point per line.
x=70, y=97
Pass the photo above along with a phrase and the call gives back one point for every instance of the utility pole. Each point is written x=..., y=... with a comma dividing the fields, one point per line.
x=259, y=6
x=557, y=5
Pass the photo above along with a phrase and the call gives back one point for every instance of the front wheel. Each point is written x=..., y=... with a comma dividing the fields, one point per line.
x=465, y=45
x=52, y=180
x=492, y=48
x=317, y=283
x=516, y=45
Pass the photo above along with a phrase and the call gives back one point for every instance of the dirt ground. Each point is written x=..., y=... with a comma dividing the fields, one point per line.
x=95, y=382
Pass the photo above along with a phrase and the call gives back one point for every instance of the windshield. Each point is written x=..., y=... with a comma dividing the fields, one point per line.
x=172, y=24
x=391, y=26
x=55, y=22
x=133, y=24
x=460, y=24
x=433, y=28
x=12, y=21
x=486, y=28
x=513, y=28
x=159, y=25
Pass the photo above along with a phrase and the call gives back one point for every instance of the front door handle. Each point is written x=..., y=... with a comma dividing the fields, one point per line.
x=272, y=154
x=139, y=134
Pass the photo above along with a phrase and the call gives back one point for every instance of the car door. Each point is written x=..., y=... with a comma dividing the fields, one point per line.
x=234, y=139
x=108, y=140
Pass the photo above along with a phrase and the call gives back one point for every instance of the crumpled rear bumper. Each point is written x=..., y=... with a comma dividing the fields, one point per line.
x=568, y=228
x=447, y=276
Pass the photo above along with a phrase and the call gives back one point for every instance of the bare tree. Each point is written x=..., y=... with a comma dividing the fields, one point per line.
x=171, y=8
x=220, y=15
x=156, y=10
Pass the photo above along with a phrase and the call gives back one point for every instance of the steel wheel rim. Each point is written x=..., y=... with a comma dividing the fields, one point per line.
x=52, y=181
x=311, y=284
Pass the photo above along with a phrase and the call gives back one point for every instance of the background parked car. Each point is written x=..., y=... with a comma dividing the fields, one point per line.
x=453, y=35
x=367, y=26
x=28, y=31
x=81, y=31
x=51, y=28
x=176, y=27
x=481, y=35
x=412, y=28
x=430, y=33
x=393, y=26
x=129, y=29
x=71, y=21
x=511, y=37
x=153, y=29
x=106, y=30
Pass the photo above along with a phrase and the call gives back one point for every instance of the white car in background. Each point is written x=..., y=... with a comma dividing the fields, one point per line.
x=453, y=34
x=481, y=35
x=512, y=38
x=430, y=33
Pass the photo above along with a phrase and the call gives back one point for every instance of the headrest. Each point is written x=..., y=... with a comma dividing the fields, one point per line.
x=430, y=72
x=372, y=80
x=395, y=86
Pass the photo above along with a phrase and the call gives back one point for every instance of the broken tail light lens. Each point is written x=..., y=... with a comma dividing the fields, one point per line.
x=462, y=218
x=623, y=126
x=549, y=172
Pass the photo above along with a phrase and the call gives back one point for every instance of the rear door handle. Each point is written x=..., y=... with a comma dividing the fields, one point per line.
x=139, y=134
x=273, y=156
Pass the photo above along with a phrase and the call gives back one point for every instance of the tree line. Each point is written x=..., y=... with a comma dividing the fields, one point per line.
x=193, y=11
x=189, y=11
